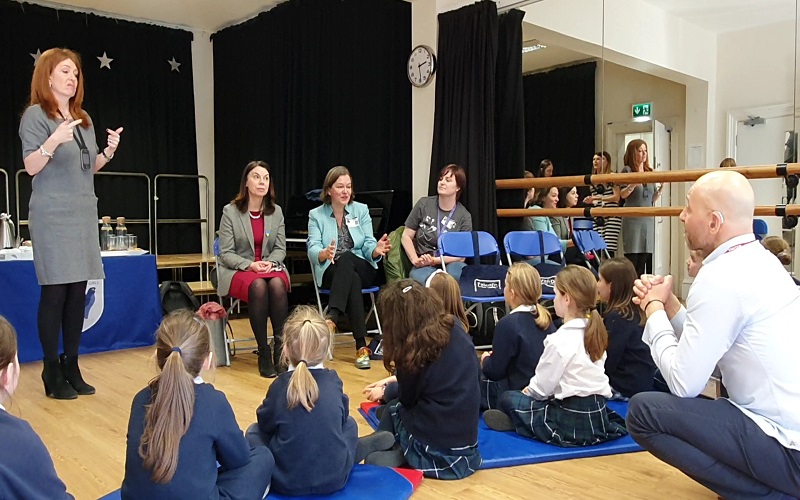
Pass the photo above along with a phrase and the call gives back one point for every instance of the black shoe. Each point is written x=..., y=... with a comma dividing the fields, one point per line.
x=498, y=420
x=277, y=350
x=55, y=385
x=265, y=366
x=69, y=366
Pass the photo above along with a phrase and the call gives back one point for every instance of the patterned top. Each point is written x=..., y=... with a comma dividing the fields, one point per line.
x=344, y=240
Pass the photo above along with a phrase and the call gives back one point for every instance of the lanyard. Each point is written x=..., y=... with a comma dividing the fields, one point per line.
x=734, y=247
x=79, y=136
x=441, y=223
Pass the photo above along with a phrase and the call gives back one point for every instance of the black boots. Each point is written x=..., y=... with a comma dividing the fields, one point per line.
x=69, y=364
x=55, y=385
x=266, y=368
x=277, y=350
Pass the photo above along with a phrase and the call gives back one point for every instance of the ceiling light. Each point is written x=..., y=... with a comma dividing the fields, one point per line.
x=535, y=45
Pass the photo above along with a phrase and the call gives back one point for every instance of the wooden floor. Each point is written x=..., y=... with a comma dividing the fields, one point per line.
x=86, y=437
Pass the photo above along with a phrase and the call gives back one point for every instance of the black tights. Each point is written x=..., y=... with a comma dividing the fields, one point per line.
x=267, y=298
x=61, y=308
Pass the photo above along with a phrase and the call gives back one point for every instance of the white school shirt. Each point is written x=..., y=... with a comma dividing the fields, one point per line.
x=743, y=314
x=565, y=369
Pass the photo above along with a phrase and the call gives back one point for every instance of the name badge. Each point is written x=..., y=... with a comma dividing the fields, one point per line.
x=351, y=222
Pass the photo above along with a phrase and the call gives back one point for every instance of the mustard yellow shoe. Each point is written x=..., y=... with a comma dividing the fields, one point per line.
x=362, y=359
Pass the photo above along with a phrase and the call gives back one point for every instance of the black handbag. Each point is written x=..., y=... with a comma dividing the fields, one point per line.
x=482, y=280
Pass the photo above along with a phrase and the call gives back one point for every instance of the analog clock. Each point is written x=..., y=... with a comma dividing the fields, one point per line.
x=421, y=66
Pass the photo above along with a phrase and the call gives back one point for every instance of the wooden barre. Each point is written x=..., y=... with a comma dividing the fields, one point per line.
x=752, y=172
x=761, y=211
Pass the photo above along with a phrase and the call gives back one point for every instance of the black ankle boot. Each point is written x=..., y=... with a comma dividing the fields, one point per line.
x=55, y=385
x=265, y=366
x=277, y=350
x=69, y=364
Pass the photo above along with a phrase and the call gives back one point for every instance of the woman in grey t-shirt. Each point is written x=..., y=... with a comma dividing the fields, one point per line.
x=432, y=216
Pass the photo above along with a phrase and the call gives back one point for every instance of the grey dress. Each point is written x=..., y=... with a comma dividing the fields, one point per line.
x=639, y=233
x=63, y=207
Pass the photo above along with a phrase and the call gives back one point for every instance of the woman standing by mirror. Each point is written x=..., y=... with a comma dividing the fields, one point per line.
x=639, y=233
x=612, y=226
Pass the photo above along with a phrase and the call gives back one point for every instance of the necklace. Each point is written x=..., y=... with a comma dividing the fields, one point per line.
x=254, y=217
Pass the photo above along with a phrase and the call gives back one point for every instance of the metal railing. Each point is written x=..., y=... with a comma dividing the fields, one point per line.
x=209, y=230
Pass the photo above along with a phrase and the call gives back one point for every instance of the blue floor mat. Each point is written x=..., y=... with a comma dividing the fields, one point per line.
x=505, y=449
x=366, y=482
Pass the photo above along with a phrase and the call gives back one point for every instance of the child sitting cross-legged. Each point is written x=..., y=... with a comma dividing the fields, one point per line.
x=305, y=418
x=565, y=402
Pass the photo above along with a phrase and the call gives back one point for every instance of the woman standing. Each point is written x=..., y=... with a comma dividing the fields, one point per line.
x=60, y=151
x=432, y=216
x=611, y=227
x=639, y=233
x=546, y=168
x=345, y=254
x=252, y=246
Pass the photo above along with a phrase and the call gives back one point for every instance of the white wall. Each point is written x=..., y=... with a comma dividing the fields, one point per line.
x=203, y=77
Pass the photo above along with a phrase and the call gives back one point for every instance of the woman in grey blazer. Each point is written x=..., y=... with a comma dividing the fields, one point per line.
x=252, y=246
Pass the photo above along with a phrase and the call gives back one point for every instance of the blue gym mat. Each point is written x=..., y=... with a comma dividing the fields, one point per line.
x=505, y=449
x=366, y=482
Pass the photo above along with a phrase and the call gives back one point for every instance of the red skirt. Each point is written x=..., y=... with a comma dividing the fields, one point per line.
x=241, y=281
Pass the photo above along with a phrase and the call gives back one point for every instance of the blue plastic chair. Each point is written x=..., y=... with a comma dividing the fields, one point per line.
x=527, y=244
x=601, y=249
x=582, y=224
x=319, y=292
x=760, y=228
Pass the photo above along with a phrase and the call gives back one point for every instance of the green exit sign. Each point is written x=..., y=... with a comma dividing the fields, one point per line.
x=643, y=109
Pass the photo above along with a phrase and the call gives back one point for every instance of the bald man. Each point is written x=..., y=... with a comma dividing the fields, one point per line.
x=742, y=313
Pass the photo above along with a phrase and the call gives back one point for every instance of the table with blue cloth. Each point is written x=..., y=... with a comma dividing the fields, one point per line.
x=121, y=312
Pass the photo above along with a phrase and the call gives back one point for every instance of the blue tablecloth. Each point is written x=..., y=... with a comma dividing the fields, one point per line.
x=122, y=311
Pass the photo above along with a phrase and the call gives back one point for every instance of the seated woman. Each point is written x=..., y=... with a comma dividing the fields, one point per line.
x=435, y=418
x=629, y=365
x=345, y=254
x=567, y=198
x=252, y=246
x=546, y=168
x=518, y=339
x=432, y=216
x=546, y=198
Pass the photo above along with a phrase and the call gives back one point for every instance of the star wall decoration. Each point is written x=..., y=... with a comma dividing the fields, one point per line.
x=174, y=65
x=36, y=56
x=105, y=61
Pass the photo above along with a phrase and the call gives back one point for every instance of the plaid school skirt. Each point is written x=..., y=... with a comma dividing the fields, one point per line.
x=571, y=422
x=491, y=390
x=454, y=463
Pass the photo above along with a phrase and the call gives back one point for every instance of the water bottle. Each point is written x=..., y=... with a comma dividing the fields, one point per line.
x=121, y=229
x=105, y=232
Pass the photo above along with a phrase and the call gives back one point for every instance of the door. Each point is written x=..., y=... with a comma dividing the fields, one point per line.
x=660, y=161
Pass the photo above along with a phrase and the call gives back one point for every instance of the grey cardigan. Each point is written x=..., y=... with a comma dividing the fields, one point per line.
x=236, y=247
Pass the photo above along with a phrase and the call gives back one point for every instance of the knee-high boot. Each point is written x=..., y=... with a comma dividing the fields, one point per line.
x=73, y=375
x=55, y=385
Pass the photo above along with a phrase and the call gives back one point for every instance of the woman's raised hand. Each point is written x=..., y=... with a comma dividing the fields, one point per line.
x=64, y=131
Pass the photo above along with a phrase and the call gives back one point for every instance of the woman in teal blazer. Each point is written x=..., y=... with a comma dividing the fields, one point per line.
x=344, y=254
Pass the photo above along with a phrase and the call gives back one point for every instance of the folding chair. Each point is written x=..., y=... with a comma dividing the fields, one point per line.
x=536, y=244
x=586, y=244
x=371, y=291
x=230, y=340
x=600, y=247
x=460, y=244
x=582, y=224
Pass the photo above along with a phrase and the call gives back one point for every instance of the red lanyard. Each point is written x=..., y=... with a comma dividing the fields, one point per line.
x=734, y=247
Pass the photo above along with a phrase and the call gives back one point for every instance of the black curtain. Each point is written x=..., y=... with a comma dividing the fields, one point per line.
x=312, y=84
x=139, y=92
x=560, y=118
x=509, y=115
x=464, y=121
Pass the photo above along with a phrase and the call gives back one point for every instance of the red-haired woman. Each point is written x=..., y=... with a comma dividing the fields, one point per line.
x=60, y=151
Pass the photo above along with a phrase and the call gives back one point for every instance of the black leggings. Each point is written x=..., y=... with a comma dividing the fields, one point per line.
x=61, y=308
x=267, y=299
x=345, y=279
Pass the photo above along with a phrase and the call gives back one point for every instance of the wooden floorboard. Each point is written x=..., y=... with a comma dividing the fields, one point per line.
x=86, y=437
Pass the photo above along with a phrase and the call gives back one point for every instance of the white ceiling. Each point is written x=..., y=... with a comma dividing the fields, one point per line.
x=211, y=15
x=721, y=16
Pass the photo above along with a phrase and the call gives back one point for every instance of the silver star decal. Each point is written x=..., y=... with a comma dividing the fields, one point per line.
x=105, y=61
x=174, y=65
x=36, y=56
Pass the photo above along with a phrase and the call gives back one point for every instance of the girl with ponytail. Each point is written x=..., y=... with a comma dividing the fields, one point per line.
x=183, y=439
x=519, y=337
x=26, y=469
x=565, y=402
x=304, y=419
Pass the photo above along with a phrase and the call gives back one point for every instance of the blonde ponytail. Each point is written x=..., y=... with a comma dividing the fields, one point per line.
x=306, y=340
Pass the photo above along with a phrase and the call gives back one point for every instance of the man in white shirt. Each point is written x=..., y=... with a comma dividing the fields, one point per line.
x=742, y=314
